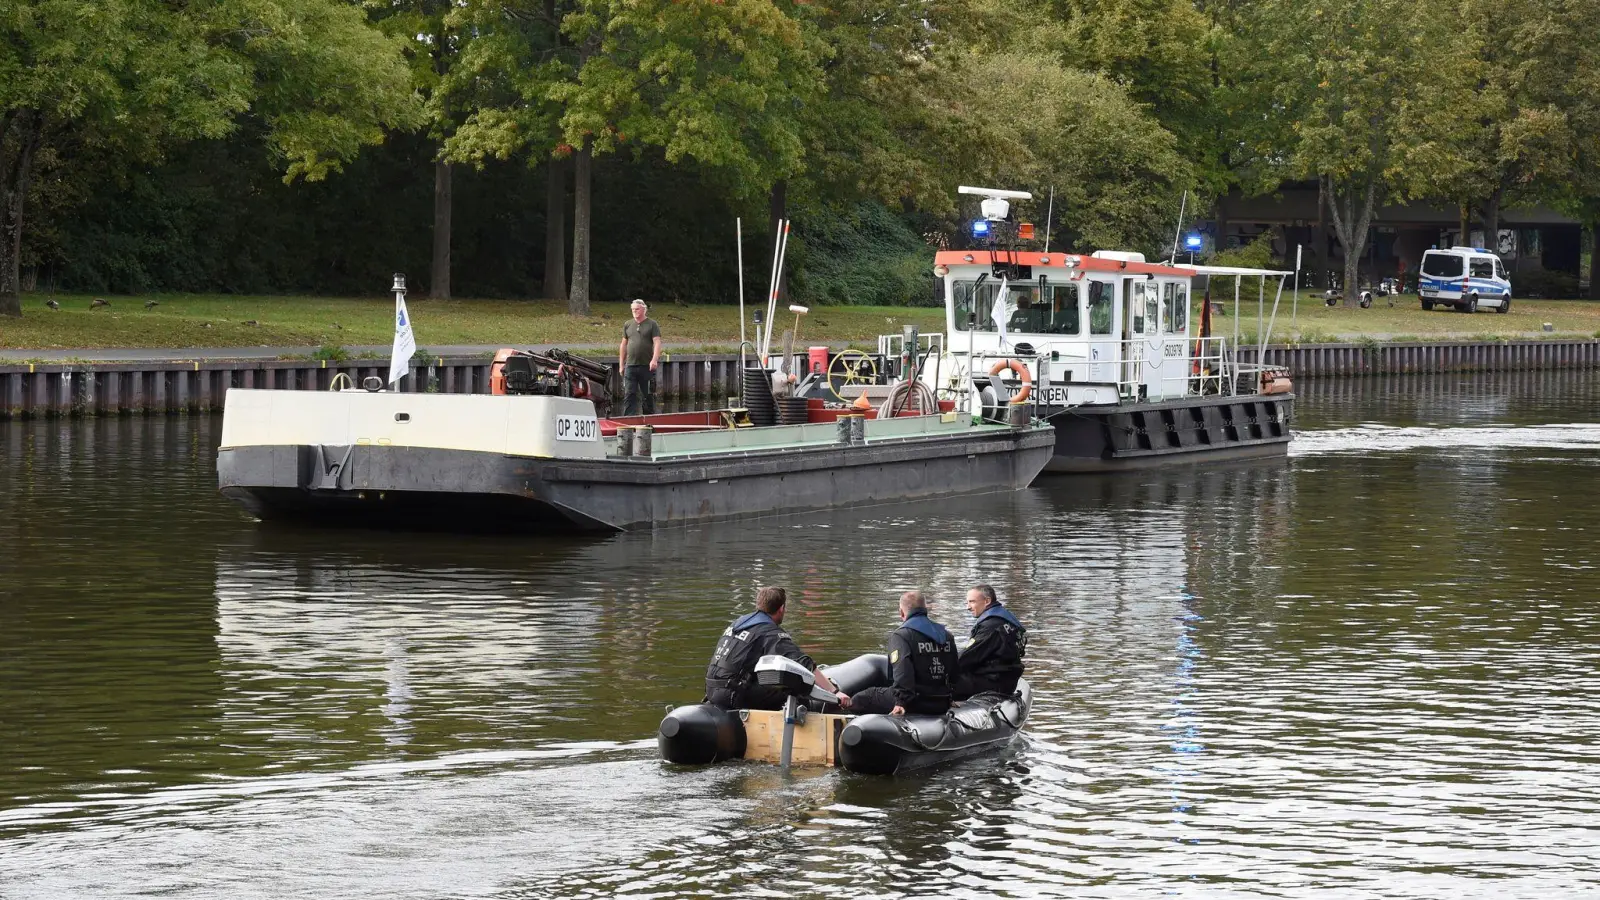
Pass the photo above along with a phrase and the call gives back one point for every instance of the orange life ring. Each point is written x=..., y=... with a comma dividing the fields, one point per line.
x=1022, y=372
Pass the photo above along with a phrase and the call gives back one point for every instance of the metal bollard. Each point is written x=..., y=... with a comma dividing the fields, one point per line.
x=1018, y=415
x=642, y=435
x=843, y=425
x=858, y=429
x=624, y=440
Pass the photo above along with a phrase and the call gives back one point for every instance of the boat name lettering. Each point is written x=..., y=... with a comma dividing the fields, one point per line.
x=1173, y=349
x=577, y=428
x=1047, y=394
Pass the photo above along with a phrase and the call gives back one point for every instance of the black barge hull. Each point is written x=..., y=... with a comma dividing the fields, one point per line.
x=1117, y=437
x=385, y=486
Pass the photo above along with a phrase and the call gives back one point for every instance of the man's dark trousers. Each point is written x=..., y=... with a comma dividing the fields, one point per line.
x=640, y=384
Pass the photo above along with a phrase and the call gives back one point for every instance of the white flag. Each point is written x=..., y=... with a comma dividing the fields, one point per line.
x=405, y=344
x=1001, y=314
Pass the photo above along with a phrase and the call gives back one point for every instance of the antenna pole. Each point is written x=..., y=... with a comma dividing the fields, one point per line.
x=1049, y=213
x=1178, y=232
x=738, y=245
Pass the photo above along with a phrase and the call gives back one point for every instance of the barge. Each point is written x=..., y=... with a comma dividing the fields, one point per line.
x=543, y=460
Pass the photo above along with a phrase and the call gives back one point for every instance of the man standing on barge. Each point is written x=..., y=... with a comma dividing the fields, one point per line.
x=638, y=355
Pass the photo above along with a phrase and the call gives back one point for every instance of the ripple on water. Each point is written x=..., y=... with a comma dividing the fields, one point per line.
x=1363, y=672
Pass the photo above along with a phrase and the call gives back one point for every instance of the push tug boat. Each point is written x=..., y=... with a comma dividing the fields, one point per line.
x=1101, y=345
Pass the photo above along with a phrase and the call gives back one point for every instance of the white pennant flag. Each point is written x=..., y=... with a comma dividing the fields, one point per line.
x=405, y=344
x=1001, y=315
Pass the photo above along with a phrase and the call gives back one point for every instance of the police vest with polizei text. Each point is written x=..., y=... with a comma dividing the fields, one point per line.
x=1013, y=642
x=739, y=648
x=933, y=654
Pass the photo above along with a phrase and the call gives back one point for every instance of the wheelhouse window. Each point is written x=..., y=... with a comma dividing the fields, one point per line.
x=1442, y=265
x=1030, y=308
x=1169, y=306
x=1180, y=309
x=1152, y=308
x=1102, y=305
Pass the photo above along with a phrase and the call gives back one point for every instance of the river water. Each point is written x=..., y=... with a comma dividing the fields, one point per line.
x=1366, y=671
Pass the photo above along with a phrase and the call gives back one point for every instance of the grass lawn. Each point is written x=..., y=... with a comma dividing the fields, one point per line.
x=197, y=320
x=194, y=320
x=1407, y=321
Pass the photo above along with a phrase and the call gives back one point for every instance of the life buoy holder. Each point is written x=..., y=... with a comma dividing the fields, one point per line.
x=1022, y=373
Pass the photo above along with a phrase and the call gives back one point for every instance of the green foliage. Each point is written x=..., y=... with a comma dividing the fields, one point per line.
x=1255, y=255
x=331, y=353
x=864, y=255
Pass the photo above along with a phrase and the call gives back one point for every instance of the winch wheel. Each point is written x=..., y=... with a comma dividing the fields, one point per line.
x=850, y=367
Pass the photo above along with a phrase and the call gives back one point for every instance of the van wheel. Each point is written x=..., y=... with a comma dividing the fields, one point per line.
x=1505, y=304
x=1427, y=305
x=1471, y=306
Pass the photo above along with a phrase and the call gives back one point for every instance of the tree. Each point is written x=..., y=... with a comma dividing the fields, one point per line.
x=1363, y=95
x=716, y=81
x=1116, y=173
x=432, y=46
x=1161, y=52
x=132, y=77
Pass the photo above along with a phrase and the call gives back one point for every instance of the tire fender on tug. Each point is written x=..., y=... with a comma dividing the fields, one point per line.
x=1022, y=373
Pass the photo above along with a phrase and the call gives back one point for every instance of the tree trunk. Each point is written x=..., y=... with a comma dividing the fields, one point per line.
x=1491, y=220
x=1594, y=259
x=555, y=230
x=17, y=170
x=578, y=300
x=1319, y=238
x=1466, y=221
x=1352, y=225
x=441, y=231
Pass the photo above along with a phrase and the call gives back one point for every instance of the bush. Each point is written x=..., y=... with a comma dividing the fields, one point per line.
x=1544, y=283
x=863, y=255
x=331, y=353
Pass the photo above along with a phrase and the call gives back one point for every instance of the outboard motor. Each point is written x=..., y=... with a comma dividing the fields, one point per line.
x=786, y=675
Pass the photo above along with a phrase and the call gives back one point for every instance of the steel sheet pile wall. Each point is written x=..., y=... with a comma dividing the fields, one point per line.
x=684, y=382
x=1319, y=360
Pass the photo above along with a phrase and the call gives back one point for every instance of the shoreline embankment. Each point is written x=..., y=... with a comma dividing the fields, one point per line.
x=86, y=387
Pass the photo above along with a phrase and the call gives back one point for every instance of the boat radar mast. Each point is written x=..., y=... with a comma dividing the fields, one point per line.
x=996, y=205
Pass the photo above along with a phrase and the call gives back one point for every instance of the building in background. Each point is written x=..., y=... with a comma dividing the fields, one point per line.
x=1540, y=247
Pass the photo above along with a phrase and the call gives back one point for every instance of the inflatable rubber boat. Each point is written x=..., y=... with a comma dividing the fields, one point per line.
x=812, y=731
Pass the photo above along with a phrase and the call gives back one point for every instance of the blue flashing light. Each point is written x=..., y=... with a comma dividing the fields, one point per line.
x=1192, y=242
x=980, y=228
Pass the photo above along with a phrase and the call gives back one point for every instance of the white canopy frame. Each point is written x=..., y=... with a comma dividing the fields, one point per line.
x=1262, y=334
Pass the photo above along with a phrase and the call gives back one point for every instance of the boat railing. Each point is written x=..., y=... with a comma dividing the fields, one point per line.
x=891, y=346
x=1208, y=366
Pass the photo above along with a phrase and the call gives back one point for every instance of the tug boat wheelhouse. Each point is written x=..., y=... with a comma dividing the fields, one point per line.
x=1101, y=345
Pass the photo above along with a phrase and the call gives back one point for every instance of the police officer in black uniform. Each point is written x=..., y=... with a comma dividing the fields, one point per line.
x=922, y=658
x=731, y=677
x=992, y=660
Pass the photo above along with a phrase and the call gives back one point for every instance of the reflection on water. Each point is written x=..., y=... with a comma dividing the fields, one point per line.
x=1365, y=669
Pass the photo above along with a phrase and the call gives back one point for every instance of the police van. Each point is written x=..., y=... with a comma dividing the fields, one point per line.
x=1464, y=278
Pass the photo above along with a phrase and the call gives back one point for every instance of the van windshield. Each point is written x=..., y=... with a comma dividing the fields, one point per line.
x=1441, y=265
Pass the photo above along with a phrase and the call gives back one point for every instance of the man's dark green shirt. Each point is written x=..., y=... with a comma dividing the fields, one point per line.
x=641, y=340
